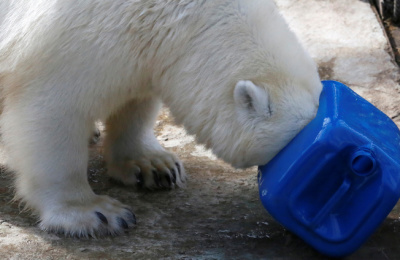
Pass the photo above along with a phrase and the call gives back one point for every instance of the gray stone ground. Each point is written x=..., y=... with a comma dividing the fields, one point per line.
x=219, y=215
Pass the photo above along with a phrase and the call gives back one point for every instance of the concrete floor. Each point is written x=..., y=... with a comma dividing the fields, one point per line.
x=219, y=215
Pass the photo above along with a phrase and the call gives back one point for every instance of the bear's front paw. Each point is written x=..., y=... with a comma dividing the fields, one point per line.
x=99, y=216
x=153, y=171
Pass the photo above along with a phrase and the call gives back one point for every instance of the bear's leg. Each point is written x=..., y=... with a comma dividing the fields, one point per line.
x=133, y=154
x=48, y=152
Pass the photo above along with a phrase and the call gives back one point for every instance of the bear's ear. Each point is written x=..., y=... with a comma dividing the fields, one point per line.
x=251, y=99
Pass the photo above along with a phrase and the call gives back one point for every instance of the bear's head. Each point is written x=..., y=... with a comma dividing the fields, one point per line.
x=243, y=84
x=248, y=122
x=267, y=118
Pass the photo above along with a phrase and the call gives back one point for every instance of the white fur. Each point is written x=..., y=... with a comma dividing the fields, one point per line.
x=229, y=70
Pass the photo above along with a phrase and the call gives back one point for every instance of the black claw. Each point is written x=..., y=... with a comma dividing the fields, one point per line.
x=140, y=180
x=122, y=223
x=168, y=180
x=131, y=216
x=156, y=179
x=102, y=217
x=173, y=176
x=179, y=169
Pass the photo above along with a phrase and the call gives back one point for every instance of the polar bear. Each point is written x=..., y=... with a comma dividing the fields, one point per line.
x=230, y=71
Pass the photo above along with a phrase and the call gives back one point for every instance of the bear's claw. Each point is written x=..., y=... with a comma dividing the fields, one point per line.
x=122, y=223
x=179, y=169
x=131, y=216
x=173, y=176
x=102, y=217
x=156, y=179
x=139, y=180
x=165, y=179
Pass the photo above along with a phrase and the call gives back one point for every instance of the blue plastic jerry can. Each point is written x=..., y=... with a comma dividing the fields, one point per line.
x=339, y=178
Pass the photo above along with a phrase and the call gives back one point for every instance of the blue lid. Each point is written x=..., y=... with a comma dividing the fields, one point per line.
x=339, y=178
